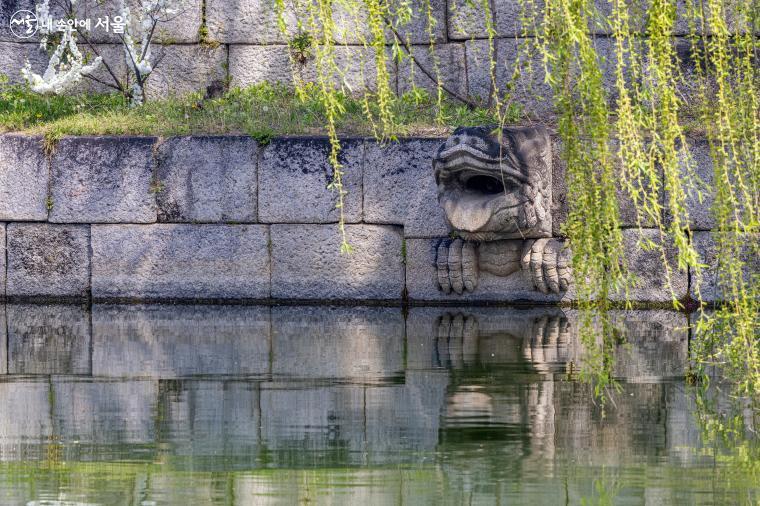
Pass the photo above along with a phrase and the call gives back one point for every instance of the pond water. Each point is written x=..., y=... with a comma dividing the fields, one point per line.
x=237, y=405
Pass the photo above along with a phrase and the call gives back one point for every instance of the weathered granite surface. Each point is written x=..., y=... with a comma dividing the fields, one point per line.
x=361, y=344
x=710, y=287
x=48, y=260
x=48, y=339
x=179, y=341
x=3, y=258
x=398, y=187
x=560, y=198
x=651, y=283
x=23, y=178
x=271, y=63
x=180, y=27
x=180, y=261
x=185, y=69
x=307, y=263
x=255, y=22
x=13, y=56
x=103, y=180
x=701, y=192
x=294, y=179
x=529, y=92
x=207, y=179
x=448, y=59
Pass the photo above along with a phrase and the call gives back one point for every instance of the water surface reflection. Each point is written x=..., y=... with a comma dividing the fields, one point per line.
x=257, y=405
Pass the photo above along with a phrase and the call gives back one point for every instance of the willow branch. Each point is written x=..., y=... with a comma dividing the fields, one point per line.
x=469, y=103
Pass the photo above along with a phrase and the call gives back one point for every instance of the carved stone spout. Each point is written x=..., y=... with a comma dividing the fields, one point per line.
x=495, y=188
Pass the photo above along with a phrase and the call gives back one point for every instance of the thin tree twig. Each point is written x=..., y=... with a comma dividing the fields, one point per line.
x=469, y=103
x=92, y=48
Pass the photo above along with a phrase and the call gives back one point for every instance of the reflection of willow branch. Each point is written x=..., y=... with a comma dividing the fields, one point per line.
x=469, y=103
x=732, y=428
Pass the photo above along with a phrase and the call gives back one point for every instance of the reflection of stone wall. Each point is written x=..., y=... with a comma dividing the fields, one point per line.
x=418, y=391
x=251, y=383
x=224, y=218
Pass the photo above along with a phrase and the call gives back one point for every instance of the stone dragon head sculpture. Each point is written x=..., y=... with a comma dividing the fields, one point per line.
x=495, y=188
x=496, y=184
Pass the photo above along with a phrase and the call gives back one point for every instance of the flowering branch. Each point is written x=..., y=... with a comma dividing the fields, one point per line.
x=66, y=66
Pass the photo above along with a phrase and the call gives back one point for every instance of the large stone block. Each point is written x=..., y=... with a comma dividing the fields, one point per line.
x=417, y=30
x=561, y=202
x=48, y=339
x=422, y=280
x=700, y=190
x=48, y=260
x=651, y=279
x=294, y=175
x=103, y=180
x=307, y=263
x=448, y=59
x=207, y=179
x=186, y=69
x=13, y=57
x=258, y=64
x=528, y=91
x=708, y=282
x=399, y=187
x=361, y=344
x=163, y=341
x=466, y=19
x=182, y=26
x=3, y=258
x=244, y=21
x=255, y=22
x=24, y=173
x=180, y=261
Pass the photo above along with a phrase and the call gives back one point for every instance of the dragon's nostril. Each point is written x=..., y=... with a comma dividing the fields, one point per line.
x=485, y=184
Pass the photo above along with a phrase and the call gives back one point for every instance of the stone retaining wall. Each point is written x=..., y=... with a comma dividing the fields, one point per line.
x=244, y=46
x=226, y=218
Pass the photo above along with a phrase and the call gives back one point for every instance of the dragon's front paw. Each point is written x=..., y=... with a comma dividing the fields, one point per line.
x=457, y=266
x=547, y=260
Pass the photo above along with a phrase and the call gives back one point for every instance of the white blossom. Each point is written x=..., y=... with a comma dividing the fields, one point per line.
x=65, y=68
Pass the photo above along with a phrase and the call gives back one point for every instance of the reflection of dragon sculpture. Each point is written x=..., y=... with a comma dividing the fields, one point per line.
x=495, y=189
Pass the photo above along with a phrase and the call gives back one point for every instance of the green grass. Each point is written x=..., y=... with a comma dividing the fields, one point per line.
x=261, y=111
